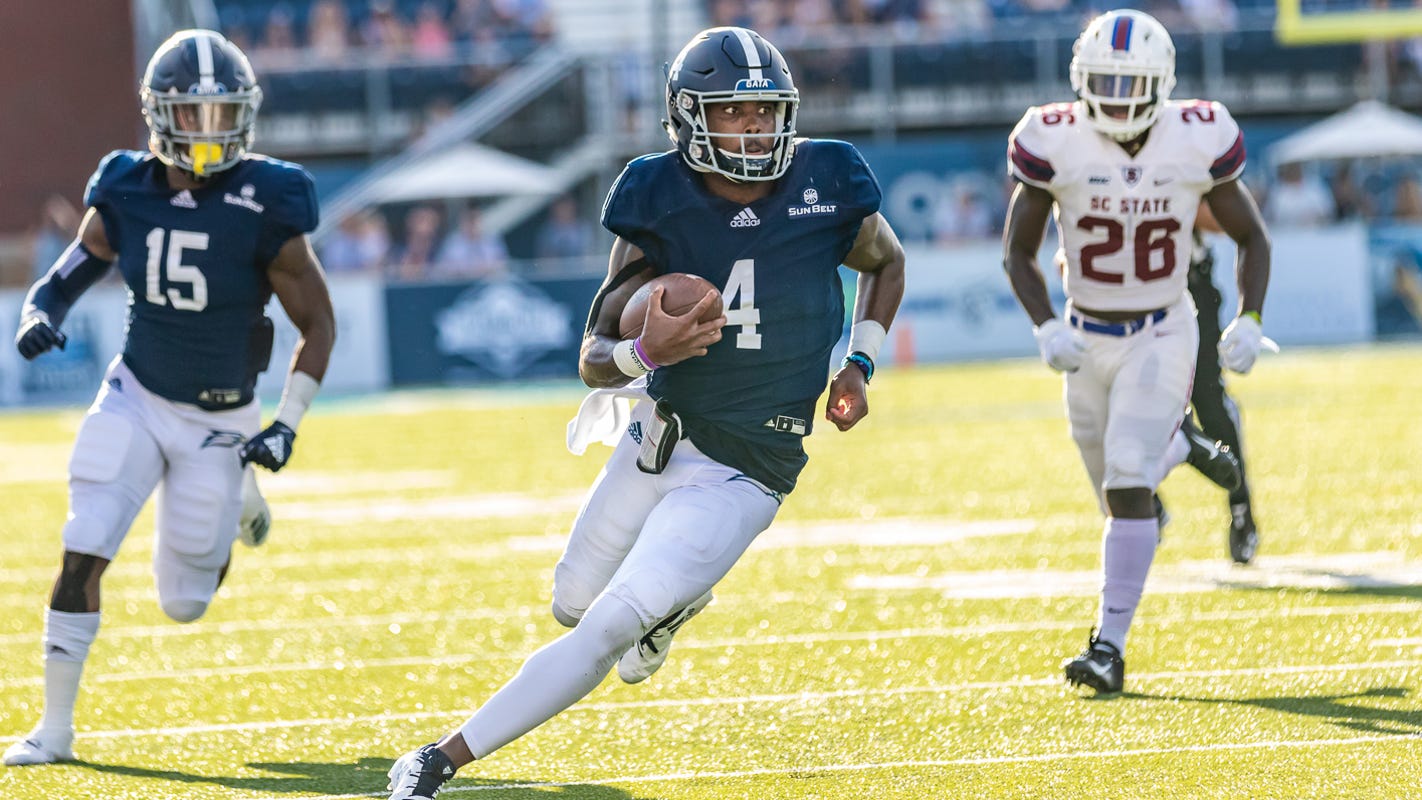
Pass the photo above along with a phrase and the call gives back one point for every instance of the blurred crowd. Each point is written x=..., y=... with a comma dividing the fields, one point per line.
x=431, y=242
x=792, y=22
x=328, y=32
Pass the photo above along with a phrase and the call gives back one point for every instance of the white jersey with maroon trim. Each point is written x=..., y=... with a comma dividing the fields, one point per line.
x=1124, y=221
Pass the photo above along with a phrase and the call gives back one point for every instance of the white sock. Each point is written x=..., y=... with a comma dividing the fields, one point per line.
x=67, y=637
x=555, y=677
x=1127, y=547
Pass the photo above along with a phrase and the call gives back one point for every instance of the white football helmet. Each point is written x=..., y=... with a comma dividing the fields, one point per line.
x=1123, y=69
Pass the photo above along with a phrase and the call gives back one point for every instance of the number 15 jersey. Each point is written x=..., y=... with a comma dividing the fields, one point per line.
x=1124, y=222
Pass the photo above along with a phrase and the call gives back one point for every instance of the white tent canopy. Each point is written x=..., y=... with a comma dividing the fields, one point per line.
x=1367, y=130
x=464, y=170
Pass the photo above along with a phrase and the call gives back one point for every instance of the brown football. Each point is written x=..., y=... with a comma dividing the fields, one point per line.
x=681, y=292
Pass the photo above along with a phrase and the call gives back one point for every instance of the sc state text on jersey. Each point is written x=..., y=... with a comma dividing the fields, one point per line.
x=1131, y=205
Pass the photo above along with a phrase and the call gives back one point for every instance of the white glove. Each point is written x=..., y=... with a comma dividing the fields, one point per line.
x=1240, y=343
x=1062, y=348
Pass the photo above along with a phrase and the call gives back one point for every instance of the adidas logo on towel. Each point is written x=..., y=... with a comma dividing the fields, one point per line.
x=184, y=199
x=745, y=218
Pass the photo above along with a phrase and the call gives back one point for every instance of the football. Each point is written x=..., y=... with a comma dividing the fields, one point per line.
x=682, y=292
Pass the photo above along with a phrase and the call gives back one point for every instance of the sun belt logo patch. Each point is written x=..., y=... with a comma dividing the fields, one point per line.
x=216, y=438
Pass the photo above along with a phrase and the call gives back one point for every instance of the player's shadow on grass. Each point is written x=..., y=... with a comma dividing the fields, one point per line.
x=1331, y=707
x=1349, y=584
x=366, y=776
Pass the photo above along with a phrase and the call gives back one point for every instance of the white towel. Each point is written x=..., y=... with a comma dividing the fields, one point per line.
x=604, y=415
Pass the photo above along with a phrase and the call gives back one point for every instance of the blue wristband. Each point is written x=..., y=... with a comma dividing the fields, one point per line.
x=863, y=362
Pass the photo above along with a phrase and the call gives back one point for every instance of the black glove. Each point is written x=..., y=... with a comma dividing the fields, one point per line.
x=36, y=336
x=271, y=448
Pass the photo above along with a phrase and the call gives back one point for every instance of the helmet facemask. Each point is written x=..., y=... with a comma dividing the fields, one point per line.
x=1123, y=69
x=730, y=154
x=201, y=134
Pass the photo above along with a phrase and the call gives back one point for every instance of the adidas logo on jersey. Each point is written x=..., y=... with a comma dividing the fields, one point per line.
x=184, y=199
x=745, y=218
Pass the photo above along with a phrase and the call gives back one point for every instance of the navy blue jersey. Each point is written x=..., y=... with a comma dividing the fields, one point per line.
x=195, y=262
x=752, y=398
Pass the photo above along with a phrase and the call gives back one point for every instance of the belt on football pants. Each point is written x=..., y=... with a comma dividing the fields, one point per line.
x=1123, y=328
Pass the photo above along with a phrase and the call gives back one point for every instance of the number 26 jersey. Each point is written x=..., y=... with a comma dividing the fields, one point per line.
x=1124, y=222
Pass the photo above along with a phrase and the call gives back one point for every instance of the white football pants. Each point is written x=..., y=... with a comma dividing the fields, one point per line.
x=1129, y=397
x=131, y=440
x=657, y=542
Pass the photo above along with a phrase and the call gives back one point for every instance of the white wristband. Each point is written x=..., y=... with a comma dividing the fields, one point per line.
x=296, y=398
x=866, y=337
x=624, y=355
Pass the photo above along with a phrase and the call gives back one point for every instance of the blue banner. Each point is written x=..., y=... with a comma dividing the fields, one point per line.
x=476, y=332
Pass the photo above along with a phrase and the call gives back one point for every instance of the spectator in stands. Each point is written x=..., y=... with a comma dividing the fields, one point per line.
x=1297, y=199
x=384, y=30
x=965, y=217
x=565, y=234
x=360, y=244
x=1211, y=15
x=58, y=221
x=470, y=252
x=417, y=252
x=278, y=47
x=329, y=31
x=529, y=20
x=730, y=12
x=1407, y=199
x=1348, y=201
x=431, y=37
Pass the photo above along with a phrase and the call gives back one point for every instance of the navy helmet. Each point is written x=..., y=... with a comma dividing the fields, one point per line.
x=200, y=100
x=730, y=65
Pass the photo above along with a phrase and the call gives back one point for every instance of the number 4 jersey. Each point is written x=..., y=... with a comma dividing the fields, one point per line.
x=195, y=261
x=750, y=400
x=1124, y=222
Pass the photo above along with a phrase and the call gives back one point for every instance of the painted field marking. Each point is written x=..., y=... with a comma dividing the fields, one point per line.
x=754, y=699
x=773, y=640
x=888, y=532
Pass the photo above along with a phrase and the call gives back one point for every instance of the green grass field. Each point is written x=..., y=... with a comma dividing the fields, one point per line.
x=897, y=633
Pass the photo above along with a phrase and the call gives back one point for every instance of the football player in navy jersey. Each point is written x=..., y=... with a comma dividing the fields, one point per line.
x=715, y=444
x=203, y=233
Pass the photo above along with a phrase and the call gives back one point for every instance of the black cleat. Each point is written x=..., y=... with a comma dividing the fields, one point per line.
x=1212, y=458
x=1243, y=538
x=419, y=774
x=1099, y=666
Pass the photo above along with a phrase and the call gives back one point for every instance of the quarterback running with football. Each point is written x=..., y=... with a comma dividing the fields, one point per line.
x=715, y=444
x=1125, y=169
x=203, y=234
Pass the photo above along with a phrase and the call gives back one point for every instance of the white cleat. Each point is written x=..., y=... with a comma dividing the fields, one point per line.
x=41, y=747
x=256, y=521
x=650, y=652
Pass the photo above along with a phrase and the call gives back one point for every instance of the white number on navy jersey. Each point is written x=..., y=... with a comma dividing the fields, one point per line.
x=741, y=287
x=177, y=271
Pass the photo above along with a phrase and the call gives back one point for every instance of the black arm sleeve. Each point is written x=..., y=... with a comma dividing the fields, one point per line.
x=76, y=270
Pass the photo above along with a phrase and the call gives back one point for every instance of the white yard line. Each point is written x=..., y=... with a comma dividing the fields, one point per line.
x=753, y=699
x=1291, y=744
x=772, y=640
x=882, y=532
x=1367, y=570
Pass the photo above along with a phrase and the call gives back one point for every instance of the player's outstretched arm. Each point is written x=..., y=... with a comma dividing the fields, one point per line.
x=1238, y=215
x=1062, y=348
x=879, y=259
x=665, y=339
x=300, y=286
x=84, y=262
x=1026, y=226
